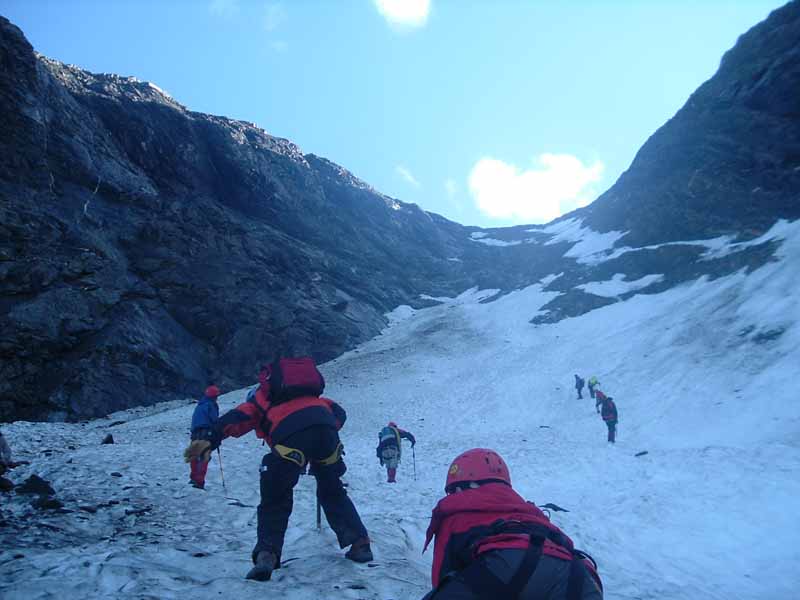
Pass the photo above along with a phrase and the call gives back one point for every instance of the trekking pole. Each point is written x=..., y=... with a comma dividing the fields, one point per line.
x=414, y=456
x=222, y=473
x=319, y=516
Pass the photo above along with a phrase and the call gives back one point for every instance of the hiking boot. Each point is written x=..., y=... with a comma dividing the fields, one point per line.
x=360, y=551
x=199, y=486
x=265, y=564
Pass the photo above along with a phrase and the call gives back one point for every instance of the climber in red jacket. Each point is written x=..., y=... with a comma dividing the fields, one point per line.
x=491, y=543
x=301, y=427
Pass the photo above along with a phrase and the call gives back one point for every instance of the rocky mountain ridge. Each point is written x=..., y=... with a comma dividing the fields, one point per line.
x=145, y=248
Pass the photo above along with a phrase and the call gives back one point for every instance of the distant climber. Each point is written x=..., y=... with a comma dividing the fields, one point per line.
x=205, y=416
x=288, y=411
x=491, y=543
x=390, y=449
x=611, y=417
x=593, y=383
x=579, y=383
x=6, y=463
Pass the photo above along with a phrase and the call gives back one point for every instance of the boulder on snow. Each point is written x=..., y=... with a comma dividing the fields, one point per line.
x=109, y=439
x=36, y=485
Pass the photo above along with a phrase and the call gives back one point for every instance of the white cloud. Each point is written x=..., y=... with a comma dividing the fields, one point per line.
x=556, y=184
x=404, y=13
x=274, y=16
x=407, y=175
x=224, y=8
x=451, y=187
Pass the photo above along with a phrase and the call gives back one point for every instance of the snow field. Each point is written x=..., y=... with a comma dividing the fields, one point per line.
x=702, y=375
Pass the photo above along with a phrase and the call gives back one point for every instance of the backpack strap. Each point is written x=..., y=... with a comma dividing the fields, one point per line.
x=488, y=586
x=577, y=572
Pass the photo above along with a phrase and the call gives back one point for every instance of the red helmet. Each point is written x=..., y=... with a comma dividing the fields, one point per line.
x=212, y=391
x=479, y=465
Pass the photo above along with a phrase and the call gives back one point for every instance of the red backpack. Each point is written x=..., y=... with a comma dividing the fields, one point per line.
x=294, y=377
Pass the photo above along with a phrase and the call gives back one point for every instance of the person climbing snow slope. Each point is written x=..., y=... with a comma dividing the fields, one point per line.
x=579, y=383
x=593, y=383
x=390, y=449
x=301, y=427
x=205, y=416
x=611, y=417
x=492, y=544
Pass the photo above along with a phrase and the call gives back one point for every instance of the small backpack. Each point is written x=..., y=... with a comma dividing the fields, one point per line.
x=294, y=377
x=387, y=433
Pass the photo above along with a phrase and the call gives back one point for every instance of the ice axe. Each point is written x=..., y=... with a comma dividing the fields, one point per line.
x=224, y=487
x=222, y=472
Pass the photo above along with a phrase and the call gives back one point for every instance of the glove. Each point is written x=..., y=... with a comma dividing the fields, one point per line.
x=198, y=450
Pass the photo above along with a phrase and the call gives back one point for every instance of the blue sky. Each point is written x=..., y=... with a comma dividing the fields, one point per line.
x=491, y=113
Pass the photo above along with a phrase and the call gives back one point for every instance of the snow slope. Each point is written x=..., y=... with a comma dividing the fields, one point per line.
x=702, y=375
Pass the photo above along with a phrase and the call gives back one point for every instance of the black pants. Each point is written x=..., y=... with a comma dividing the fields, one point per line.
x=548, y=582
x=612, y=431
x=278, y=478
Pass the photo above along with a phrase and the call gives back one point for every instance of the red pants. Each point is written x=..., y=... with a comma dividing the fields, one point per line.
x=391, y=473
x=198, y=474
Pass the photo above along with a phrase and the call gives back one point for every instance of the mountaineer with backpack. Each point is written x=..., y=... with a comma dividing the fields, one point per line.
x=610, y=416
x=593, y=383
x=204, y=417
x=301, y=427
x=6, y=485
x=390, y=448
x=491, y=543
x=579, y=386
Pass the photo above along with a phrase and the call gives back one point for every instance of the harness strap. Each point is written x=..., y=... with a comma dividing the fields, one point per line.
x=577, y=571
x=526, y=569
x=487, y=586
x=333, y=458
x=291, y=454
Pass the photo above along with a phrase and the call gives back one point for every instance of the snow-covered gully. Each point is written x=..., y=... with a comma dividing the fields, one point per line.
x=702, y=375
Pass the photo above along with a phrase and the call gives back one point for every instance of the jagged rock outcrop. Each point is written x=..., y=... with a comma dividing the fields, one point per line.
x=145, y=247
x=728, y=163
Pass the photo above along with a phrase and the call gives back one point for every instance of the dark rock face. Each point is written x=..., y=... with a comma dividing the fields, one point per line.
x=729, y=161
x=145, y=248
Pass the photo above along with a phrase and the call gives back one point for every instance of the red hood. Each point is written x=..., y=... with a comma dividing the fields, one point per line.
x=489, y=498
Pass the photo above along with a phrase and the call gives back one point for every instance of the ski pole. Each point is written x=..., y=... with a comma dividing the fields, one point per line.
x=222, y=473
x=414, y=456
x=319, y=516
